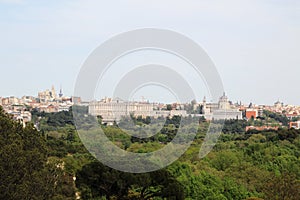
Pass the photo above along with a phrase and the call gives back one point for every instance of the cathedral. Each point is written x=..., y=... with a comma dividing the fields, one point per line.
x=221, y=110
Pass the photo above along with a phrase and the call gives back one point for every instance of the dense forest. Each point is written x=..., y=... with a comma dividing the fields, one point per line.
x=50, y=162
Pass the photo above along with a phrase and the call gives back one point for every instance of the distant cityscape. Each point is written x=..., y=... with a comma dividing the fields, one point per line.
x=112, y=110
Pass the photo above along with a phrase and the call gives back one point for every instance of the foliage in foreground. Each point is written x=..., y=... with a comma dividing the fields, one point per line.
x=41, y=164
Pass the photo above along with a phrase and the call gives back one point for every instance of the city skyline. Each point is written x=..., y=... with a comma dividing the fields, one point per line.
x=114, y=109
x=151, y=99
x=59, y=94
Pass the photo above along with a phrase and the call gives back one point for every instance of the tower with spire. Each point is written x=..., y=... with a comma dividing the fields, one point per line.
x=60, y=92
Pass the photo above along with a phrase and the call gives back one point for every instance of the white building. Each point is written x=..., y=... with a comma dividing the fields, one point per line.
x=221, y=110
x=113, y=109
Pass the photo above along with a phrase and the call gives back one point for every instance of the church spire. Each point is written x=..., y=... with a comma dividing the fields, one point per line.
x=60, y=92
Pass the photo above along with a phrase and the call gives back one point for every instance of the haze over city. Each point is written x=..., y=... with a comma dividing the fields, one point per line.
x=255, y=45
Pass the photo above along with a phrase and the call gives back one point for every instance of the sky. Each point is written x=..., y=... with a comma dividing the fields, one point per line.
x=254, y=44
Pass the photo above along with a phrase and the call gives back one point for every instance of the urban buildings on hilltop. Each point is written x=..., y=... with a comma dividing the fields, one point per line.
x=47, y=95
x=114, y=109
x=46, y=101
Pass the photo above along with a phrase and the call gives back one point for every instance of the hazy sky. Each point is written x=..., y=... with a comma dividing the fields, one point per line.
x=255, y=45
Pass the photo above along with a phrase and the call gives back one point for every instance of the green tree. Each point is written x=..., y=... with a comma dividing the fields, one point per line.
x=24, y=173
x=169, y=107
x=282, y=187
x=96, y=180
